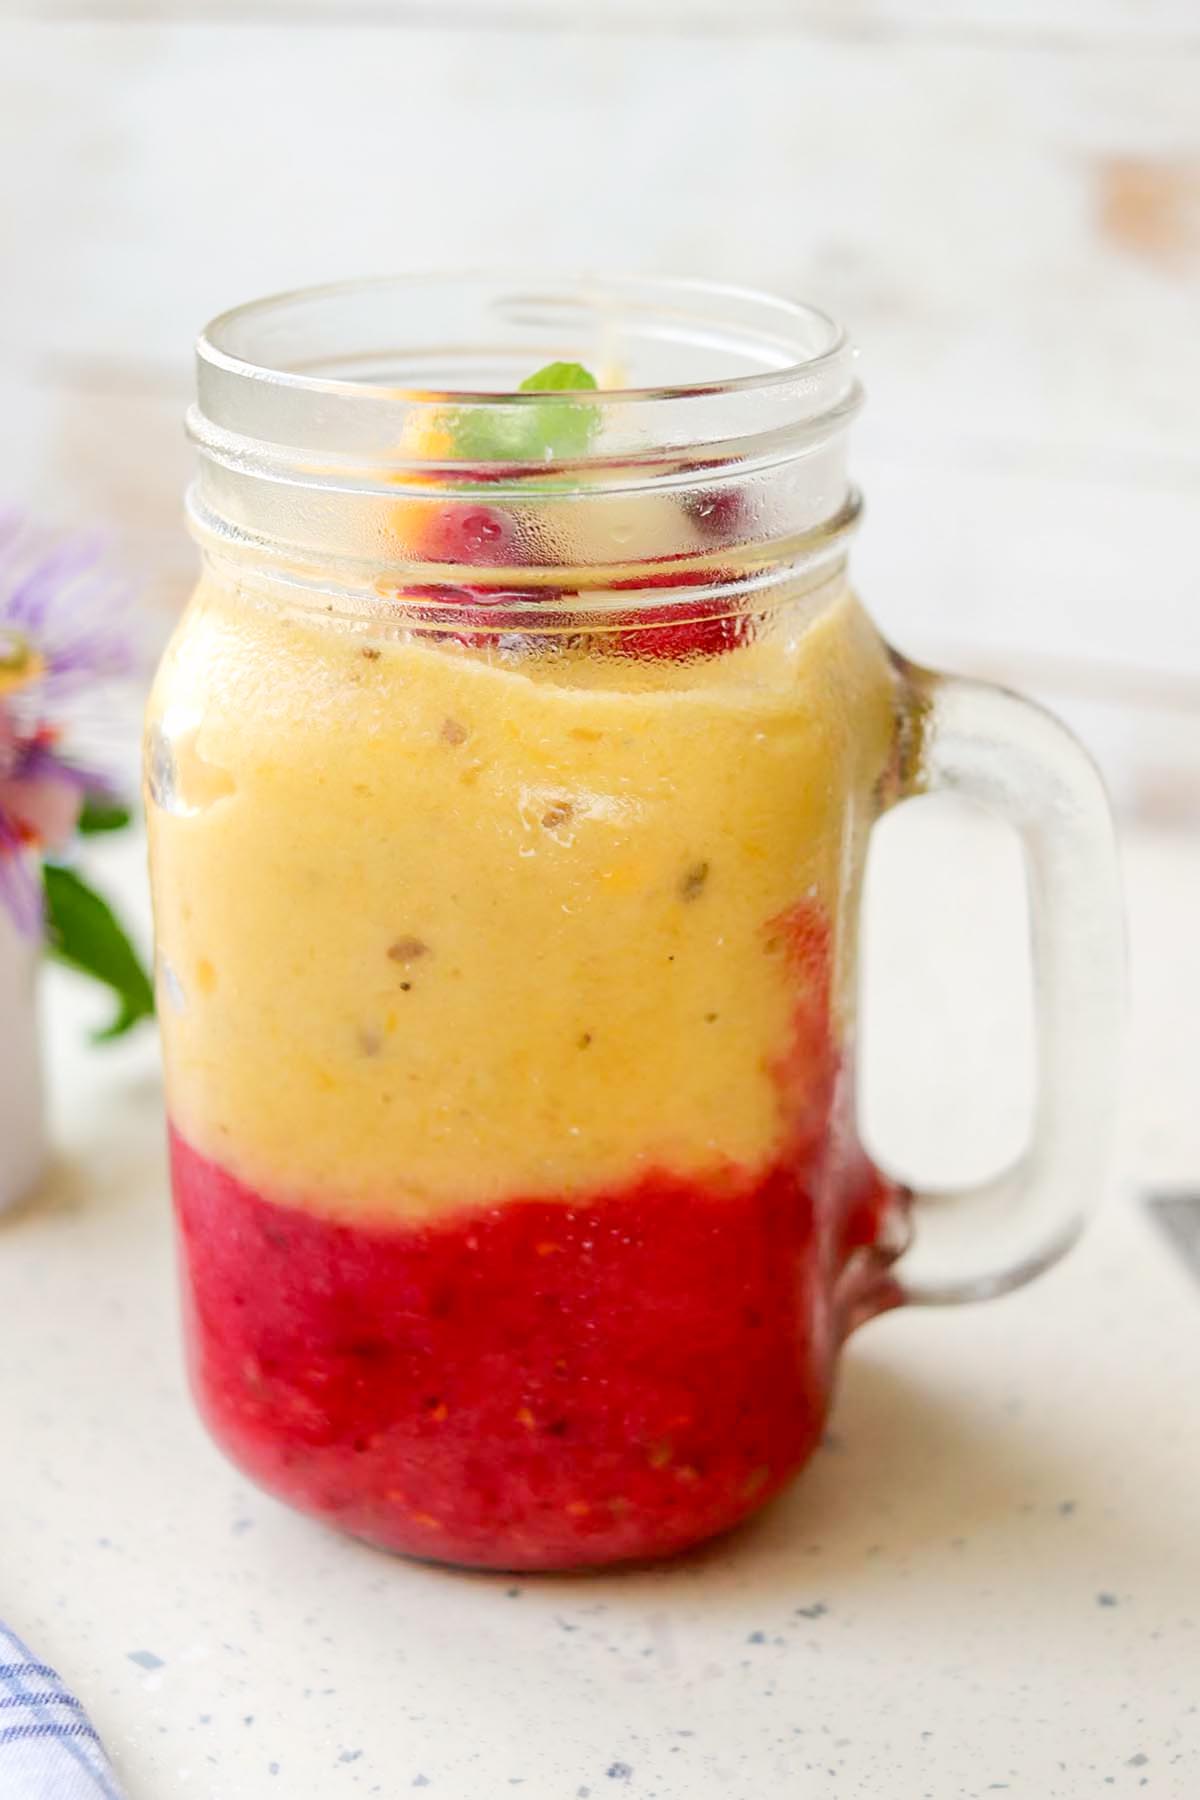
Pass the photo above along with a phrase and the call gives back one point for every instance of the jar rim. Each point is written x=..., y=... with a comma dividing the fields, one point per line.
x=342, y=421
x=806, y=343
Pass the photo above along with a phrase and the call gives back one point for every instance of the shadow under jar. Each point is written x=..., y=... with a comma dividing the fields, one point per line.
x=509, y=780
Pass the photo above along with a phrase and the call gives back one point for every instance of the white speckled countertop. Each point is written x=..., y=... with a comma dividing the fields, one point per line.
x=988, y=1582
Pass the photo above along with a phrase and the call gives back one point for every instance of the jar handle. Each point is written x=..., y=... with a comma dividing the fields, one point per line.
x=1017, y=761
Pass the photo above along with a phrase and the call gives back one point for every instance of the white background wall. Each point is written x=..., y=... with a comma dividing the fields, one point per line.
x=1001, y=199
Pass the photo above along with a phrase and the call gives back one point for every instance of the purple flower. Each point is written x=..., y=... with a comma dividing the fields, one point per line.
x=57, y=598
x=63, y=635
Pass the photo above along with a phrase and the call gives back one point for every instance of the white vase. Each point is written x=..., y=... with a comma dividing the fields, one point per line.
x=22, y=1110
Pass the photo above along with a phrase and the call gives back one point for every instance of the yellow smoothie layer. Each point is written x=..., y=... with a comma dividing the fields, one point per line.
x=437, y=929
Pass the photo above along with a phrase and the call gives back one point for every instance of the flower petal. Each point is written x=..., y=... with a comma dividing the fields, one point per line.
x=47, y=806
x=20, y=887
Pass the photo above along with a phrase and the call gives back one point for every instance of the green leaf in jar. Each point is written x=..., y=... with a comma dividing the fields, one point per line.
x=554, y=430
x=83, y=933
x=560, y=378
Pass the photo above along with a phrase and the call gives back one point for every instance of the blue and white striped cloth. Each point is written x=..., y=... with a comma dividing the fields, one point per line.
x=49, y=1749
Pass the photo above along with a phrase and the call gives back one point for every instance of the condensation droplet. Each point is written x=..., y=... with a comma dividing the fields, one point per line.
x=170, y=984
x=182, y=781
x=160, y=769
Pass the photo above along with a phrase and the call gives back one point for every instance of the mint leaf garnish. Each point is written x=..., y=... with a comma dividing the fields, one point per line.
x=559, y=377
x=565, y=427
x=102, y=815
x=554, y=430
x=82, y=932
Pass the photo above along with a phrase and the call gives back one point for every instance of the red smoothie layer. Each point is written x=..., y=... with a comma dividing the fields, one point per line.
x=538, y=1385
x=544, y=1384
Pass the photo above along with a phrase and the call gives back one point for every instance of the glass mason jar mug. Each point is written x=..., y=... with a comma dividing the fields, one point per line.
x=510, y=777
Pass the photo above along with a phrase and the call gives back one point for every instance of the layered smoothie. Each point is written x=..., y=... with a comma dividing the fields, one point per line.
x=501, y=991
x=504, y=970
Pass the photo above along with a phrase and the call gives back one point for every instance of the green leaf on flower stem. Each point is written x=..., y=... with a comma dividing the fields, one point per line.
x=102, y=815
x=552, y=431
x=83, y=933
